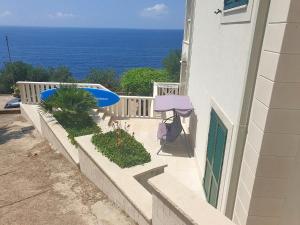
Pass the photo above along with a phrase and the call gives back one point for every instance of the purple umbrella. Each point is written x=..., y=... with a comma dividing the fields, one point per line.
x=177, y=103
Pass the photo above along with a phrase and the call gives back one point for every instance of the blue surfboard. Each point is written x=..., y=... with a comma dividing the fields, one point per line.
x=104, y=97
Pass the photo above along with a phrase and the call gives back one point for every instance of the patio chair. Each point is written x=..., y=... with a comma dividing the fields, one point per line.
x=181, y=107
x=168, y=132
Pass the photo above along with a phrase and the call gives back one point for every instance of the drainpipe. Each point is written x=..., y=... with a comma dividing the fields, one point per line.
x=254, y=59
x=185, y=64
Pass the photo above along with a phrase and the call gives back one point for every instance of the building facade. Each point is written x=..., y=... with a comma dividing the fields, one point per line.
x=240, y=67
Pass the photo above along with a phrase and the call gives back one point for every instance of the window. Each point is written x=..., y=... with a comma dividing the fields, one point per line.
x=230, y=4
x=214, y=159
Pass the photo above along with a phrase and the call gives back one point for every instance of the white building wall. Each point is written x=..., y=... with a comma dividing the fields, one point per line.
x=268, y=191
x=218, y=70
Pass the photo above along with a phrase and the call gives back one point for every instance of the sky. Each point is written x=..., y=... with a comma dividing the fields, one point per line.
x=145, y=14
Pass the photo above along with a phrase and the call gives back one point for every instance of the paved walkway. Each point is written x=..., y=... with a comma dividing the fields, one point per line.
x=38, y=186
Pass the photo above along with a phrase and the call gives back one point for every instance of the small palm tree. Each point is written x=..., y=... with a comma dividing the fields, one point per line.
x=70, y=99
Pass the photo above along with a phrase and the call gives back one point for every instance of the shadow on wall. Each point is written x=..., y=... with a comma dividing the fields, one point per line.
x=193, y=131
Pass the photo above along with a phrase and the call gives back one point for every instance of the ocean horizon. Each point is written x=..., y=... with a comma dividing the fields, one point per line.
x=82, y=49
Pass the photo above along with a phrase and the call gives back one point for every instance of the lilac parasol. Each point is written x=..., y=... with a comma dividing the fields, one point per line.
x=180, y=104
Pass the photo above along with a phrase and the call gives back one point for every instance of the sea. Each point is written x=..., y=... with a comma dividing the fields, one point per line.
x=82, y=49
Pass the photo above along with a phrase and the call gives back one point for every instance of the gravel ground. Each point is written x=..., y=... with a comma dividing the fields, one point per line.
x=38, y=186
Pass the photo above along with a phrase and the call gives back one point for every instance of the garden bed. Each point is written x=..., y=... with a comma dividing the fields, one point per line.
x=121, y=148
x=76, y=124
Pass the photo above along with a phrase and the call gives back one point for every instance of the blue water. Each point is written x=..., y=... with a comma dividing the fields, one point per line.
x=81, y=49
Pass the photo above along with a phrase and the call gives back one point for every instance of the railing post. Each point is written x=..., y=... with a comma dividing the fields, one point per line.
x=151, y=114
x=22, y=92
x=155, y=89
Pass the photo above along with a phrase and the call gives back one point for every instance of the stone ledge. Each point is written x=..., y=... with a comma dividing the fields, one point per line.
x=31, y=113
x=118, y=184
x=58, y=137
x=185, y=204
x=10, y=111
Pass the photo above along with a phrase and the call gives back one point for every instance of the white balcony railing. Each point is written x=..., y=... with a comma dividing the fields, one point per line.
x=127, y=107
x=164, y=88
x=30, y=91
x=133, y=107
x=142, y=106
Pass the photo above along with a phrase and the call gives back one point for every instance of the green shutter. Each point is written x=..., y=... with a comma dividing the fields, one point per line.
x=214, y=191
x=219, y=153
x=207, y=179
x=214, y=160
x=230, y=4
x=211, y=138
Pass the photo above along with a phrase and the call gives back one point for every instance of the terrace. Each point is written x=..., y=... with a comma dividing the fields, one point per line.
x=137, y=189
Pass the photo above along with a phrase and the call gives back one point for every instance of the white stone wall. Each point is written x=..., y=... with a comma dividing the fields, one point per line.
x=175, y=204
x=49, y=128
x=31, y=113
x=163, y=214
x=268, y=191
x=58, y=138
x=217, y=75
x=102, y=181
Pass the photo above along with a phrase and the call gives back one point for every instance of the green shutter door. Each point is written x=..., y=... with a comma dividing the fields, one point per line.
x=214, y=160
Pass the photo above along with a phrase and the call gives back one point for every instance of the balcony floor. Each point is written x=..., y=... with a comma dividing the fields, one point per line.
x=180, y=166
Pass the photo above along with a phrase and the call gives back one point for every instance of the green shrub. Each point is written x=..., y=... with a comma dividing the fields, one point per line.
x=70, y=106
x=140, y=81
x=107, y=78
x=121, y=148
x=76, y=125
x=172, y=65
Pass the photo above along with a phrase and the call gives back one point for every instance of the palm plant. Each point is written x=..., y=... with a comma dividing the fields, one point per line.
x=70, y=106
x=70, y=99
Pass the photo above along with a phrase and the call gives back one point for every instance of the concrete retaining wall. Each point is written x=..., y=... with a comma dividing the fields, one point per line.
x=51, y=130
x=58, y=138
x=120, y=187
x=173, y=204
x=31, y=113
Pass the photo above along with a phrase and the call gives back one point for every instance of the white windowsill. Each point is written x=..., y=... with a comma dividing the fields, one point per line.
x=235, y=8
x=239, y=14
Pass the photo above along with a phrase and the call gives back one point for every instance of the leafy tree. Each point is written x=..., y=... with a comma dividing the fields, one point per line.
x=38, y=74
x=61, y=74
x=172, y=65
x=140, y=81
x=11, y=73
x=20, y=71
x=108, y=78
